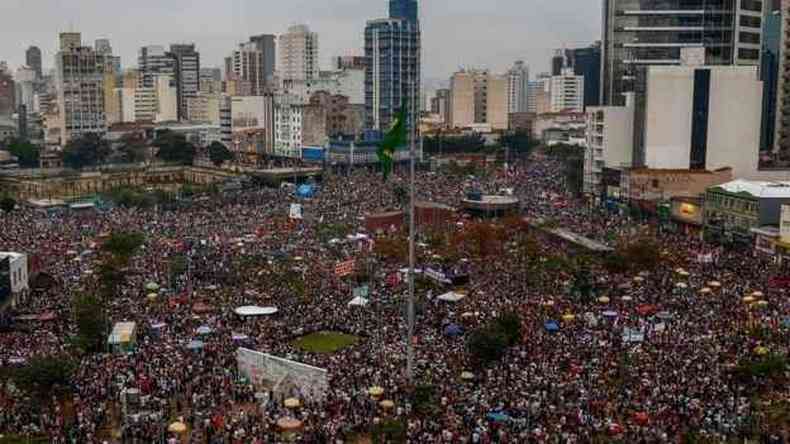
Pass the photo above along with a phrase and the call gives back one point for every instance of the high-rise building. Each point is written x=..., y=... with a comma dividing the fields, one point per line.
x=518, y=88
x=102, y=46
x=70, y=40
x=33, y=60
x=539, y=94
x=567, y=92
x=266, y=43
x=782, y=132
x=440, y=104
x=247, y=66
x=151, y=62
x=25, y=87
x=478, y=97
x=298, y=54
x=186, y=73
x=769, y=74
x=404, y=9
x=7, y=94
x=586, y=62
x=558, y=61
x=392, y=71
x=638, y=34
x=79, y=79
x=348, y=62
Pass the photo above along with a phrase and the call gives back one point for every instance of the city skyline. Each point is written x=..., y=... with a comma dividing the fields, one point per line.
x=526, y=30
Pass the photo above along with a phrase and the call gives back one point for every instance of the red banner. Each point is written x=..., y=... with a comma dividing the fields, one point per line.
x=344, y=268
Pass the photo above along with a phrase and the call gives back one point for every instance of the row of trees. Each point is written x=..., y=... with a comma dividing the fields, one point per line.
x=488, y=344
x=572, y=158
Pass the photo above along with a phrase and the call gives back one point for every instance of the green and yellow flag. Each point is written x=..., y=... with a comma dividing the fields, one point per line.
x=395, y=138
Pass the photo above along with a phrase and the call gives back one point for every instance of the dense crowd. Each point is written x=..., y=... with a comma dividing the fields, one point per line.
x=578, y=384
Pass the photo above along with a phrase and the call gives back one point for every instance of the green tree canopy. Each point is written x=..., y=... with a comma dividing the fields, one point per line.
x=132, y=148
x=174, y=147
x=42, y=374
x=486, y=346
x=123, y=244
x=7, y=204
x=219, y=153
x=520, y=142
x=89, y=150
x=25, y=152
x=91, y=322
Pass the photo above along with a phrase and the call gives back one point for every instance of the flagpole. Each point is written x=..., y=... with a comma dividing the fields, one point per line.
x=410, y=339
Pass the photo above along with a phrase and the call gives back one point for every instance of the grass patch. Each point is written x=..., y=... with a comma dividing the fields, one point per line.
x=325, y=342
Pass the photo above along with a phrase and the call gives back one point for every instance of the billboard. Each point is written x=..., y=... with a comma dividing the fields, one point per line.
x=313, y=154
x=282, y=376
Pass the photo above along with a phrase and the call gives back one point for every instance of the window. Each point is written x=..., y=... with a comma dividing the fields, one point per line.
x=752, y=5
x=750, y=54
x=751, y=38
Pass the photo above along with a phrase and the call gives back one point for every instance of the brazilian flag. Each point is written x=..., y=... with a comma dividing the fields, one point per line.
x=396, y=137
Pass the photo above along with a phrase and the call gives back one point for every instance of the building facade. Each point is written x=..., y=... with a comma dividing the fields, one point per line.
x=79, y=74
x=7, y=94
x=287, y=126
x=518, y=88
x=247, y=66
x=186, y=72
x=298, y=52
x=539, y=95
x=33, y=60
x=609, y=142
x=478, y=97
x=567, y=92
x=769, y=74
x=392, y=73
x=266, y=44
x=151, y=62
x=639, y=33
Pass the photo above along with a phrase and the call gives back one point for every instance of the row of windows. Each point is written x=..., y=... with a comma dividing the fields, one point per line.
x=740, y=205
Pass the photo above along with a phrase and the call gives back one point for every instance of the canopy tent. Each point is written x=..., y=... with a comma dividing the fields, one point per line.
x=451, y=297
x=453, y=330
x=239, y=337
x=358, y=301
x=203, y=330
x=646, y=309
x=152, y=286
x=195, y=345
x=123, y=336
x=551, y=326
x=305, y=191
x=609, y=314
x=254, y=310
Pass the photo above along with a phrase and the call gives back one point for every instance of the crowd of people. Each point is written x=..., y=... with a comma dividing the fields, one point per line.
x=583, y=382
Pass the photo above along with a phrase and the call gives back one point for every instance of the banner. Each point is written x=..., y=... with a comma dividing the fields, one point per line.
x=344, y=268
x=282, y=376
x=437, y=276
x=296, y=211
x=361, y=292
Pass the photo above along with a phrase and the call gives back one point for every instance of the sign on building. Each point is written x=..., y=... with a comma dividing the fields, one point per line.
x=784, y=228
x=282, y=376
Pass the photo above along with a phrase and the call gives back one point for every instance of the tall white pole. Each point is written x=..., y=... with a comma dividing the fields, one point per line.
x=410, y=339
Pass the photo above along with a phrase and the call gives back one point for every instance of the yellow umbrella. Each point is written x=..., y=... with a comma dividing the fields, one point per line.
x=289, y=423
x=152, y=296
x=684, y=273
x=177, y=427
x=568, y=317
x=603, y=299
x=748, y=299
x=376, y=391
x=292, y=403
x=387, y=404
x=761, y=351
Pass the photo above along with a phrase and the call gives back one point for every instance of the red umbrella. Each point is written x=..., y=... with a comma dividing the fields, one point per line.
x=646, y=310
x=615, y=429
x=641, y=418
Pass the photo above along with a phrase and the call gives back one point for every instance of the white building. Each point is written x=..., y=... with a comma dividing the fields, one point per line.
x=14, y=275
x=288, y=114
x=251, y=112
x=298, y=52
x=703, y=117
x=204, y=108
x=610, y=137
x=158, y=103
x=126, y=97
x=567, y=92
x=518, y=88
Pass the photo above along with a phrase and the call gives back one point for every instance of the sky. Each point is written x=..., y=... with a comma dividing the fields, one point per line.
x=474, y=33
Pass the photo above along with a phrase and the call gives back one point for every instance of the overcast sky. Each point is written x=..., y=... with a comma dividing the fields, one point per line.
x=485, y=33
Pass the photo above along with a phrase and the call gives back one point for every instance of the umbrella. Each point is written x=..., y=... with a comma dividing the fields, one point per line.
x=376, y=391
x=467, y=314
x=387, y=404
x=758, y=294
x=239, y=337
x=610, y=313
x=762, y=303
x=705, y=290
x=289, y=423
x=665, y=315
x=292, y=403
x=177, y=427
x=203, y=330
x=761, y=351
x=568, y=317
x=714, y=284
x=786, y=322
x=641, y=418
x=152, y=296
x=195, y=345
x=639, y=279
x=681, y=285
x=453, y=330
x=679, y=270
x=604, y=299
x=683, y=273
x=646, y=309
x=467, y=376
x=748, y=299
x=549, y=303
x=152, y=286
x=498, y=417
x=551, y=326
x=627, y=298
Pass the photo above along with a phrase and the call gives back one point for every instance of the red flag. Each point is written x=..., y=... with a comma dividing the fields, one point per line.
x=344, y=268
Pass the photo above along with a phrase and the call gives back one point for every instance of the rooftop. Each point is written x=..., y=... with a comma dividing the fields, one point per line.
x=757, y=188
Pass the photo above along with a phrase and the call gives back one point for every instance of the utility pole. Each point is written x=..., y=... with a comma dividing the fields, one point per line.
x=410, y=337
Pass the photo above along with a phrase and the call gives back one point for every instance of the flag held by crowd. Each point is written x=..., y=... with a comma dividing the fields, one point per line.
x=344, y=268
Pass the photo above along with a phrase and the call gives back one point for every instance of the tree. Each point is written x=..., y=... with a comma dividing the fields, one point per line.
x=7, y=204
x=91, y=322
x=486, y=346
x=219, y=153
x=87, y=151
x=519, y=142
x=174, y=147
x=25, y=152
x=123, y=245
x=42, y=374
x=642, y=254
x=132, y=148
x=509, y=326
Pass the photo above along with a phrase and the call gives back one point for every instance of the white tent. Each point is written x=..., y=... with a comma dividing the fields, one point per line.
x=253, y=310
x=451, y=297
x=358, y=301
